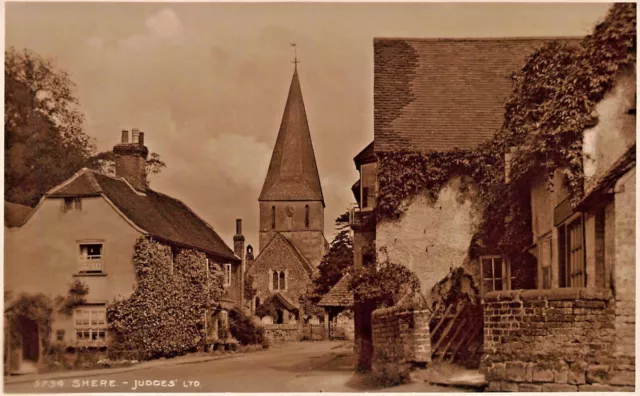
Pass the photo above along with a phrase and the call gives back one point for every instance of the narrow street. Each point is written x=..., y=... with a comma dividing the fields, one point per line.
x=325, y=366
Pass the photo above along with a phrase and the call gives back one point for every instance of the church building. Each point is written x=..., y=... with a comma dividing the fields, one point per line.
x=291, y=228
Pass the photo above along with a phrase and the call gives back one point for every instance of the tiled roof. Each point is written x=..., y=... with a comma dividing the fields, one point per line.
x=293, y=173
x=290, y=306
x=161, y=216
x=339, y=295
x=15, y=214
x=439, y=94
x=365, y=156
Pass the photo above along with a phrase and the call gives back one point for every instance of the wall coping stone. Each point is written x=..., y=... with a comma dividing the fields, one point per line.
x=558, y=294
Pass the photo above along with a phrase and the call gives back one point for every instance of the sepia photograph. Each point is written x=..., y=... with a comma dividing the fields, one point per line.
x=271, y=197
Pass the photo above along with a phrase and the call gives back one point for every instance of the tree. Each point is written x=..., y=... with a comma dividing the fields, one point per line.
x=335, y=261
x=249, y=289
x=44, y=140
x=104, y=162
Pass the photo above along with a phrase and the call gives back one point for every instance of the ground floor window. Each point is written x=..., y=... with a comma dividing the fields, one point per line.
x=90, y=323
x=571, y=253
x=496, y=274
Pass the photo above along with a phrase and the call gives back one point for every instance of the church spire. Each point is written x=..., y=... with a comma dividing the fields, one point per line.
x=293, y=173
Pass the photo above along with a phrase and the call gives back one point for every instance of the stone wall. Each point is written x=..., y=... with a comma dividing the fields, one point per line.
x=431, y=238
x=553, y=340
x=282, y=332
x=400, y=337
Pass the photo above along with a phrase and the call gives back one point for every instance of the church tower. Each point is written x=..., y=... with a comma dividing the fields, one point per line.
x=291, y=201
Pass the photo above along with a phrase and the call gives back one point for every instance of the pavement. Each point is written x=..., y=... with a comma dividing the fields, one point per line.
x=322, y=366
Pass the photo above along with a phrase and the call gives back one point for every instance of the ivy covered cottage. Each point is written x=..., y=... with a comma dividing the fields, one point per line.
x=512, y=199
x=96, y=239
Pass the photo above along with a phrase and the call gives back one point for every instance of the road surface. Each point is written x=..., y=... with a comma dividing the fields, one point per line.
x=325, y=366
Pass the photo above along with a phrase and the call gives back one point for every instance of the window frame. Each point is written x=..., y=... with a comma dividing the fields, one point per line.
x=83, y=262
x=546, y=239
x=71, y=204
x=226, y=268
x=505, y=277
x=273, y=217
x=91, y=327
x=364, y=198
x=569, y=253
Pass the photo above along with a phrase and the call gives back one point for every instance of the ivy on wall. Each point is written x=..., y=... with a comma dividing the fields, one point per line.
x=552, y=103
x=164, y=316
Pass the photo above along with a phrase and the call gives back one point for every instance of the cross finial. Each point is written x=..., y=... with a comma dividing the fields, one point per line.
x=295, y=55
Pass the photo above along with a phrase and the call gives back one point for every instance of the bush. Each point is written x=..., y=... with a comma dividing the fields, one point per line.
x=244, y=329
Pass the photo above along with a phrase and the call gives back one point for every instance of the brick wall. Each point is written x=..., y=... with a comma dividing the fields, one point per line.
x=553, y=340
x=400, y=336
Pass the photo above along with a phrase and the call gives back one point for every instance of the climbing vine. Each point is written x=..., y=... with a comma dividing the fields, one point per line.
x=76, y=296
x=552, y=103
x=164, y=316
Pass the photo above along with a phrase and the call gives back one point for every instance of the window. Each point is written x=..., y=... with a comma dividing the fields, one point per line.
x=71, y=204
x=60, y=335
x=227, y=275
x=545, y=254
x=90, y=323
x=306, y=216
x=367, y=186
x=278, y=280
x=273, y=217
x=571, y=254
x=91, y=257
x=495, y=274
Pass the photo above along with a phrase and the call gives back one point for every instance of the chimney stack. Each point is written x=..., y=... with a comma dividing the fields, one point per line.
x=238, y=249
x=131, y=159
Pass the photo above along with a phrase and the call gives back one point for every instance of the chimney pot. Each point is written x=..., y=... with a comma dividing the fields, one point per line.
x=141, y=139
x=239, y=226
x=125, y=136
x=135, y=135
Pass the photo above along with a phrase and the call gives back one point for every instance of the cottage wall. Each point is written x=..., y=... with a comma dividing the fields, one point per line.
x=432, y=238
x=625, y=266
x=42, y=256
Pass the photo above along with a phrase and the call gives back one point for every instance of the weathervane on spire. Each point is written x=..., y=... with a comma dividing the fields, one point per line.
x=295, y=55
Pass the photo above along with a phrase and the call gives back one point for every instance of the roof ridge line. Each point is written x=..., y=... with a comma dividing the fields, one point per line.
x=201, y=219
x=489, y=38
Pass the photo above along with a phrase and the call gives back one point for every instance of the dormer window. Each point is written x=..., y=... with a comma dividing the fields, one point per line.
x=71, y=204
x=367, y=186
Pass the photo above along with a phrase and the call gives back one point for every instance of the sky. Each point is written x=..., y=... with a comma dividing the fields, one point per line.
x=207, y=82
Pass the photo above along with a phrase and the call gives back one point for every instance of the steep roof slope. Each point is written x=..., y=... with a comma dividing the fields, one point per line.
x=15, y=214
x=339, y=295
x=161, y=216
x=293, y=173
x=439, y=94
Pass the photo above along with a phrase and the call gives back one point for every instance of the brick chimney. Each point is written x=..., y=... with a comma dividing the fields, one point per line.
x=238, y=249
x=131, y=159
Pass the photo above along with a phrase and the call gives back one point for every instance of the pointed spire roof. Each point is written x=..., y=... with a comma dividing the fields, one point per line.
x=293, y=173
